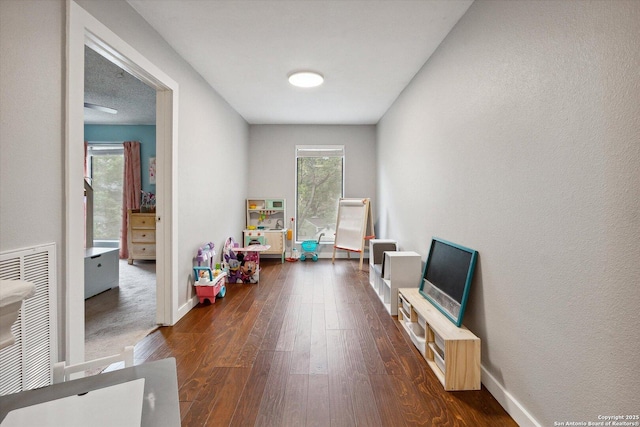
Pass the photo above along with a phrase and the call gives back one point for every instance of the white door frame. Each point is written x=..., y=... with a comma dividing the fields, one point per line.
x=82, y=28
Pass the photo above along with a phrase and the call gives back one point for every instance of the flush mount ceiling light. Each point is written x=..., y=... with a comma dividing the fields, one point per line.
x=306, y=79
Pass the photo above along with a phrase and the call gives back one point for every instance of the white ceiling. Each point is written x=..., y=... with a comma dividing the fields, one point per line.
x=367, y=50
x=107, y=85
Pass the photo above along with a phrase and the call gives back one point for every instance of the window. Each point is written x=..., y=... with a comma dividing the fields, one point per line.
x=319, y=187
x=105, y=167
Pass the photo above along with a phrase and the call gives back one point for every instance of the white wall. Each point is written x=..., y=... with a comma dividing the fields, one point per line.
x=31, y=129
x=31, y=126
x=212, y=136
x=520, y=138
x=271, y=166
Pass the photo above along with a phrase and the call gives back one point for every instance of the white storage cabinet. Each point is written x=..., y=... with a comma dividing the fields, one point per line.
x=377, y=247
x=101, y=270
x=400, y=269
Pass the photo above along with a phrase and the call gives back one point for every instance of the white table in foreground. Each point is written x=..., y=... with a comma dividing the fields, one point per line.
x=160, y=406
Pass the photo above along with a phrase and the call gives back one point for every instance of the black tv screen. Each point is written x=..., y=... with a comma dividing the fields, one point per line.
x=447, y=277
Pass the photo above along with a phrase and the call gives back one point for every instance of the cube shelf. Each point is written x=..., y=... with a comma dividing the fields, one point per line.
x=452, y=353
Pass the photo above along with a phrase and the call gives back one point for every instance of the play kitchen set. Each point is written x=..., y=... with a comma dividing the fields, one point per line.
x=266, y=225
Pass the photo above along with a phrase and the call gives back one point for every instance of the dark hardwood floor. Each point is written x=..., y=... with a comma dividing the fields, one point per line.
x=310, y=345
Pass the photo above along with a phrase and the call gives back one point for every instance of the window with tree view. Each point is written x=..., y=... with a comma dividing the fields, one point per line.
x=319, y=187
x=105, y=167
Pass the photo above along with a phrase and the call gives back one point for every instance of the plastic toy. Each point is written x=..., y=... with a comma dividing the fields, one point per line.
x=208, y=281
x=293, y=254
x=309, y=248
x=230, y=261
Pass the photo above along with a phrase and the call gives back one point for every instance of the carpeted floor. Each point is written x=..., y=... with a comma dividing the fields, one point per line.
x=124, y=315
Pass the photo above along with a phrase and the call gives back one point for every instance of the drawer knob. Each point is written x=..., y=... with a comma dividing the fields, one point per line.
x=99, y=265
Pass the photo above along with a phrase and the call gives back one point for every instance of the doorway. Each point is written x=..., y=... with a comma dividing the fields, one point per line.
x=85, y=29
x=118, y=108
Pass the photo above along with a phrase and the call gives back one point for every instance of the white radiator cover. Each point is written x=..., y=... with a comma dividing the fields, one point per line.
x=27, y=363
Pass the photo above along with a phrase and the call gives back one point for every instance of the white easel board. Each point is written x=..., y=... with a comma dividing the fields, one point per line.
x=353, y=217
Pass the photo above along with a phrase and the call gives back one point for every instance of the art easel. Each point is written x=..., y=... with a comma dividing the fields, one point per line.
x=354, y=215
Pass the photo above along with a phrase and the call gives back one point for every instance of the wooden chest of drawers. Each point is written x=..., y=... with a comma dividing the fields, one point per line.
x=142, y=236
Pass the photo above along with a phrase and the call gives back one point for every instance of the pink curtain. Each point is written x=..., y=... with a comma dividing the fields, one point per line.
x=132, y=190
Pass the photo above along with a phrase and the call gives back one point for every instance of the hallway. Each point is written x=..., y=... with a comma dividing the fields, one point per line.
x=309, y=345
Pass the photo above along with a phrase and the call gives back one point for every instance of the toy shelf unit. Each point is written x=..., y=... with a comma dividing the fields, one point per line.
x=377, y=247
x=452, y=353
x=400, y=269
x=266, y=214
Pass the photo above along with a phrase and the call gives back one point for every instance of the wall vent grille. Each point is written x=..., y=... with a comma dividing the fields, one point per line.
x=27, y=363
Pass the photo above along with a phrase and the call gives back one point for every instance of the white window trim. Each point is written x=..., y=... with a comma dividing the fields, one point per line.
x=317, y=151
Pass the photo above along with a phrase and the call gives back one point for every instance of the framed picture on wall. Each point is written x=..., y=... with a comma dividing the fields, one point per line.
x=152, y=170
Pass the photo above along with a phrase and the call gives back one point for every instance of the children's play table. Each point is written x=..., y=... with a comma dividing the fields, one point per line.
x=246, y=268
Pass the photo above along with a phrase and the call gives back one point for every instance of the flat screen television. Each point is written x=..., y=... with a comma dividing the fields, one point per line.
x=447, y=277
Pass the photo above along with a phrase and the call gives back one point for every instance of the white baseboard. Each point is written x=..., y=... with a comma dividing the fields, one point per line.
x=324, y=255
x=186, y=307
x=508, y=402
